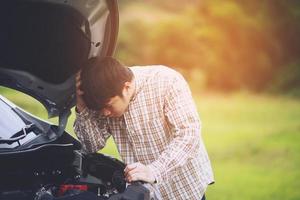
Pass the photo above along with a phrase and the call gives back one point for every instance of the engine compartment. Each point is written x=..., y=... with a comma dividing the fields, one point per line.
x=88, y=176
x=57, y=169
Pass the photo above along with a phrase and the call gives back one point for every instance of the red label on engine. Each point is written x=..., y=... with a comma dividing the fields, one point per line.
x=64, y=188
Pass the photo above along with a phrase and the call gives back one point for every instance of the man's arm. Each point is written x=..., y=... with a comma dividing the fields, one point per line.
x=183, y=119
x=91, y=130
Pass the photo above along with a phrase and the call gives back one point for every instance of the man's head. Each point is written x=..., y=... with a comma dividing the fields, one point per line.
x=107, y=86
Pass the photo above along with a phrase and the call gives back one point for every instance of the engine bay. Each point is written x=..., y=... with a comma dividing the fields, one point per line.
x=92, y=176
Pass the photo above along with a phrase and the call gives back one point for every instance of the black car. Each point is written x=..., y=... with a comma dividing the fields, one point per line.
x=43, y=44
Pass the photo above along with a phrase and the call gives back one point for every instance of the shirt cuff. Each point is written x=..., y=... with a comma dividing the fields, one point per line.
x=158, y=171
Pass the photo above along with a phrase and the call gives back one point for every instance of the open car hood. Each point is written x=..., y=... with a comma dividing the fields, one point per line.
x=45, y=42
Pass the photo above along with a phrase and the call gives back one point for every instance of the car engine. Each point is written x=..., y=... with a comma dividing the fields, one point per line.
x=57, y=172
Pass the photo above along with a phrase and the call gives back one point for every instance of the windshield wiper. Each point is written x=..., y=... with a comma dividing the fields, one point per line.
x=19, y=135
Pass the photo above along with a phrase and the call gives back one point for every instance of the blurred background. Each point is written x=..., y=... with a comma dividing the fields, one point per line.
x=222, y=45
x=242, y=61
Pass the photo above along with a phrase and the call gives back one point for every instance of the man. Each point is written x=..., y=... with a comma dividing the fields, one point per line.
x=150, y=113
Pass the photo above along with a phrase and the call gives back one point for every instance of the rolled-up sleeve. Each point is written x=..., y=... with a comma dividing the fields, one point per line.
x=182, y=117
x=92, y=130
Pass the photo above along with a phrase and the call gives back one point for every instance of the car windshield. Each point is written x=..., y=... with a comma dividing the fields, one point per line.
x=26, y=102
x=10, y=122
x=13, y=130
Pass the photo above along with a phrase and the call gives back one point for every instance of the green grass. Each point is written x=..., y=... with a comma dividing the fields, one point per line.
x=253, y=142
x=254, y=145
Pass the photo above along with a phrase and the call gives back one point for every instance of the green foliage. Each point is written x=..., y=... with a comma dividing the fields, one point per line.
x=286, y=79
x=233, y=44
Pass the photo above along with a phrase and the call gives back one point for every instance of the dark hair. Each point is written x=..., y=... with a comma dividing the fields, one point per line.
x=101, y=79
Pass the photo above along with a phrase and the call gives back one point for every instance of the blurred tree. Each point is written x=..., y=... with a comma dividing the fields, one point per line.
x=233, y=44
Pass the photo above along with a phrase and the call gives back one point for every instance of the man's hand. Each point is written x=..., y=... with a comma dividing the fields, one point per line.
x=138, y=172
x=80, y=104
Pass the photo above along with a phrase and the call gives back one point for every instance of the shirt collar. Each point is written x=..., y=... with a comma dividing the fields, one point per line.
x=138, y=84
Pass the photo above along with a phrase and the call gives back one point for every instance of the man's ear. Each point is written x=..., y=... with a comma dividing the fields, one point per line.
x=127, y=87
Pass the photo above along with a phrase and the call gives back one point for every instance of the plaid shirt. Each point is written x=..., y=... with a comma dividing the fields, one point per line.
x=160, y=128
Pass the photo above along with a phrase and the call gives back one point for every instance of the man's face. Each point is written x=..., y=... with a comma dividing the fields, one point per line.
x=115, y=107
